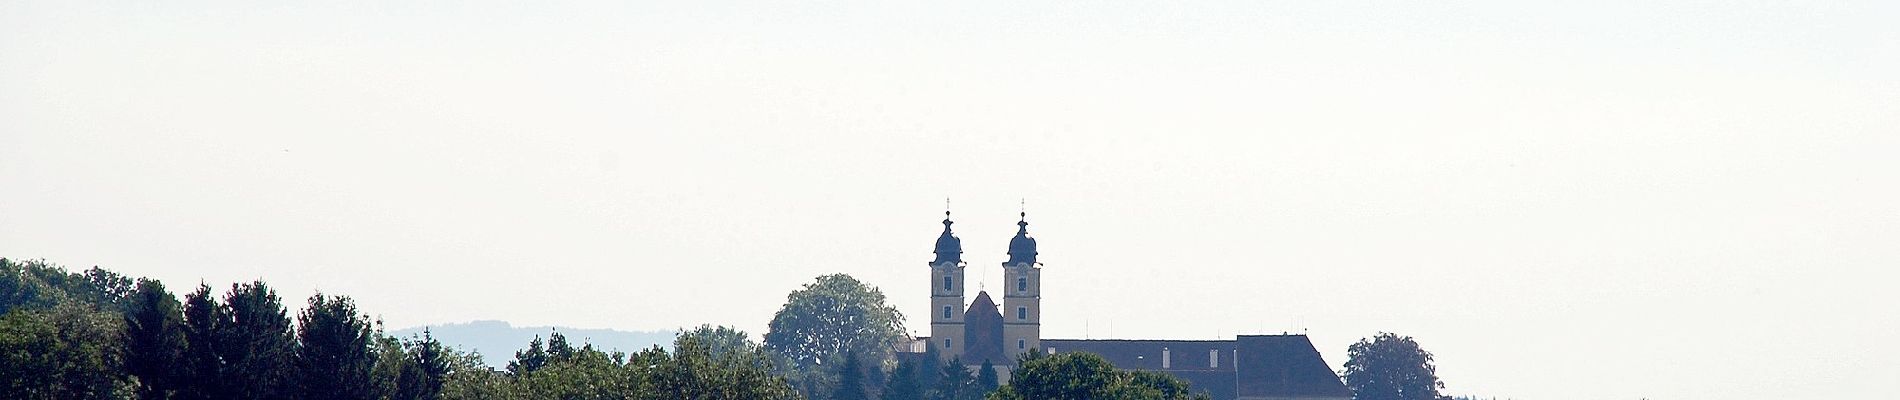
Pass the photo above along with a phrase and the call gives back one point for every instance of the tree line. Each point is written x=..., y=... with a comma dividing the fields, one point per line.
x=96, y=334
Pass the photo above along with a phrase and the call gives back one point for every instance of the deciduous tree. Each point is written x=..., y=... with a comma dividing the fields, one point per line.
x=71, y=351
x=833, y=314
x=1391, y=367
x=1078, y=376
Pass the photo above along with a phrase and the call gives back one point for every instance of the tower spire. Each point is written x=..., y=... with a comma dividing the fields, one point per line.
x=1022, y=299
x=948, y=248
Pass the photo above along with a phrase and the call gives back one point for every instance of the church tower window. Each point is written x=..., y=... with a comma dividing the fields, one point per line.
x=1022, y=285
x=1022, y=312
x=946, y=283
x=946, y=315
x=1020, y=343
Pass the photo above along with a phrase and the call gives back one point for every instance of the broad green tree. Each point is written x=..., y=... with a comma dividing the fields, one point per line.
x=693, y=372
x=71, y=351
x=103, y=288
x=1391, y=367
x=583, y=373
x=720, y=339
x=42, y=285
x=154, y=340
x=1079, y=376
x=824, y=319
x=470, y=378
x=833, y=314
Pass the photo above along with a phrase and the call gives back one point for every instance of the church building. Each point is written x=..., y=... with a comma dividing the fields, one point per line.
x=1248, y=367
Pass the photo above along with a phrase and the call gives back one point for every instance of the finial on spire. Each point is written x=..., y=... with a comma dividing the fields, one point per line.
x=1022, y=211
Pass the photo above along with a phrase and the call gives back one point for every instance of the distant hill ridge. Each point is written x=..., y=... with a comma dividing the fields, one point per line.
x=497, y=341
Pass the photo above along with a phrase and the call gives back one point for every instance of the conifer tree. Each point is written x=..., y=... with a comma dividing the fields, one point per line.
x=905, y=382
x=258, y=348
x=529, y=360
x=986, y=377
x=558, y=348
x=154, y=340
x=333, y=359
x=954, y=382
x=392, y=363
x=850, y=379
x=203, y=368
x=430, y=367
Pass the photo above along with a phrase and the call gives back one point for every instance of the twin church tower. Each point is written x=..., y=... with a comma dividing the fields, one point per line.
x=982, y=332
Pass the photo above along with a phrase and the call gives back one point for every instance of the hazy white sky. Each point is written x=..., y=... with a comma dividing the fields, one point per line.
x=1608, y=200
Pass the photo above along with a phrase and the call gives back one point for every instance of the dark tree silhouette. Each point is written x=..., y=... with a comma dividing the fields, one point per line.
x=1391, y=367
x=986, y=379
x=333, y=357
x=530, y=359
x=258, y=348
x=203, y=370
x=154, y=340
x=1077, y=376
x=850, y=379
x=905, y=382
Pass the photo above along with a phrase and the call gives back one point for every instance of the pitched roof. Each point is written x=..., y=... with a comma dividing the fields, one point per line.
x=1285, y=366
x=983, y=332
x=1267, y=366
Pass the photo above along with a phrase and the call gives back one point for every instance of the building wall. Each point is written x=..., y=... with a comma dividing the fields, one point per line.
x=947, y=329
x=1022, y=309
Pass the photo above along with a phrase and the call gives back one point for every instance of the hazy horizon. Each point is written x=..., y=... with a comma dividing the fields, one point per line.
x=1607, y=200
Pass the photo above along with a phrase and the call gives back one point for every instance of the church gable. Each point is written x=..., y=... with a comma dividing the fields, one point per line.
x=983, y=329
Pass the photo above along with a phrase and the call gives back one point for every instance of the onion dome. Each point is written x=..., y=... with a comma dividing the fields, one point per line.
x=1022, y=248
x=949, y=248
